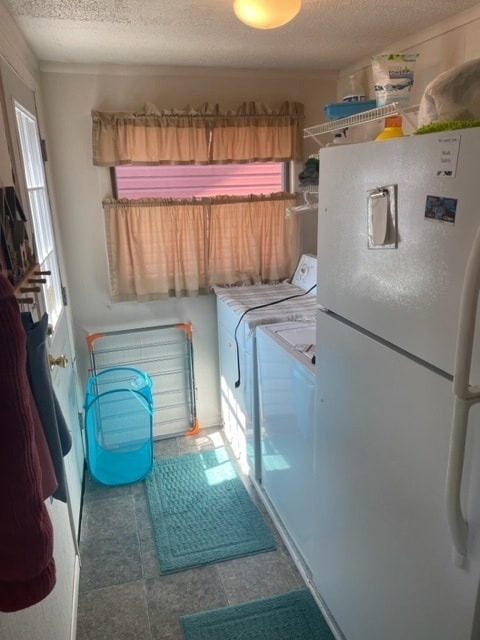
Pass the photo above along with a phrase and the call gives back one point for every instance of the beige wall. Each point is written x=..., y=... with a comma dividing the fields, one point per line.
x=69, y=95
x=5, y=168
x=16, y=53
x=443, y=46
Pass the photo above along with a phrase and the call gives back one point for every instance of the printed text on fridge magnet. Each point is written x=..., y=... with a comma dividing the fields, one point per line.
x=447, y=155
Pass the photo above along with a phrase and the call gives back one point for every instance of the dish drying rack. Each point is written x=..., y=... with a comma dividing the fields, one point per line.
x=340, y=124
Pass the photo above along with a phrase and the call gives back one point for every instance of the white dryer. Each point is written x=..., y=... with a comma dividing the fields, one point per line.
x=240, y=310
x=286, y=373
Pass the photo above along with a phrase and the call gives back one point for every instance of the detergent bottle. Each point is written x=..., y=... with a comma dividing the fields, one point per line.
x=393, y=128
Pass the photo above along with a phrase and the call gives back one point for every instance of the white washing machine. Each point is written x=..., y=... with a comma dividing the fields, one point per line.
x=238, y=317
x=286, y=374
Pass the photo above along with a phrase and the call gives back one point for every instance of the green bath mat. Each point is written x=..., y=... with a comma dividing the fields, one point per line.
x=290, y=616
x=201, y=512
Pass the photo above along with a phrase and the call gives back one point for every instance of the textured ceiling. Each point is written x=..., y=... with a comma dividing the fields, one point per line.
x=326, y=34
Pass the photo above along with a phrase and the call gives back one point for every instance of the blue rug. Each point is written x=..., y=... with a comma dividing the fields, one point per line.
x=201, y=512
x=289, y=616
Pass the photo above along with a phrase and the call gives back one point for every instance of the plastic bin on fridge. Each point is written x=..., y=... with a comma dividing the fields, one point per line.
x=118, y=425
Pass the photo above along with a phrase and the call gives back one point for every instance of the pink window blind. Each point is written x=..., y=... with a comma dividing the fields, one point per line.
x=201, y=181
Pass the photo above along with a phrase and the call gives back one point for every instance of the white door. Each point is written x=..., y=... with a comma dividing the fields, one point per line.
x=383, y=561
x=53, y=618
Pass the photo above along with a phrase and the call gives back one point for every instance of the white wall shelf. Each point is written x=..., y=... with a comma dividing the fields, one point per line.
x=362, y=118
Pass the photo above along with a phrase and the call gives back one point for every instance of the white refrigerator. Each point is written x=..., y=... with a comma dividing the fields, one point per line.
x=397, y=438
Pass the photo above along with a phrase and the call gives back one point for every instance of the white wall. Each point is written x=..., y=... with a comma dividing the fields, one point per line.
x=69, y=95
x=54, y=617
x=17, y=54
x=443, y=46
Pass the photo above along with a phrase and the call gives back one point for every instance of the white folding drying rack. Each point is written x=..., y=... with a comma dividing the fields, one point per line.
x=165, y=353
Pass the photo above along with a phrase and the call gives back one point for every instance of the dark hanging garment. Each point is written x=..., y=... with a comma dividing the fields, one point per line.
x=27, y=567
x=55, y=428
x=49, y=482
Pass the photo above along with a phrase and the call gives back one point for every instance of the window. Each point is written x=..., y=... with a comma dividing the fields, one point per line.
x=184, y=216
x=40, y=208
x=181, y=229
x=198, y=181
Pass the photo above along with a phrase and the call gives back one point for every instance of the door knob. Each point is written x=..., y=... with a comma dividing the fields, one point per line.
x=60, y=361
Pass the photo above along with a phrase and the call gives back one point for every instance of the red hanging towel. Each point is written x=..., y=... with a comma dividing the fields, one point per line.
x=27, y=567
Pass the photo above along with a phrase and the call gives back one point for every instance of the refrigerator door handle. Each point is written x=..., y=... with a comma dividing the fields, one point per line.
x=466, y=395
x=456, y=520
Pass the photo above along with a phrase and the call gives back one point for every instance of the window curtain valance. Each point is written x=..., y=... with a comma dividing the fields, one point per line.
x=252, y=133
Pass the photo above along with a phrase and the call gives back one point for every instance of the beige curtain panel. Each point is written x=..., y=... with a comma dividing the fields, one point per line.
x=198, y=136
x=252, y=241
x=156, y=249
x=160, y=248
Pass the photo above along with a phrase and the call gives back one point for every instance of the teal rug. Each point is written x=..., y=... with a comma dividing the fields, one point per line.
x=201, y=512
x=290, y=616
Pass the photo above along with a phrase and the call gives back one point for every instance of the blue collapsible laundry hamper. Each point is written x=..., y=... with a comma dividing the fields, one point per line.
x=118, y=425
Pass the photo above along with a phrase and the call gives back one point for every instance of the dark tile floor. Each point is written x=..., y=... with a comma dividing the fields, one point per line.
x=123, y=596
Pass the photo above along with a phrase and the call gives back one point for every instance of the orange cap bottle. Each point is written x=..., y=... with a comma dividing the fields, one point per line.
x=393, y=128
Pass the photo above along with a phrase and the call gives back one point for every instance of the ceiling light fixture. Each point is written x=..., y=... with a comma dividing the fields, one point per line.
x=266, y=14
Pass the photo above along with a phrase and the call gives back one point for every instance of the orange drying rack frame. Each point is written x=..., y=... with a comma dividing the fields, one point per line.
x=187, y=328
